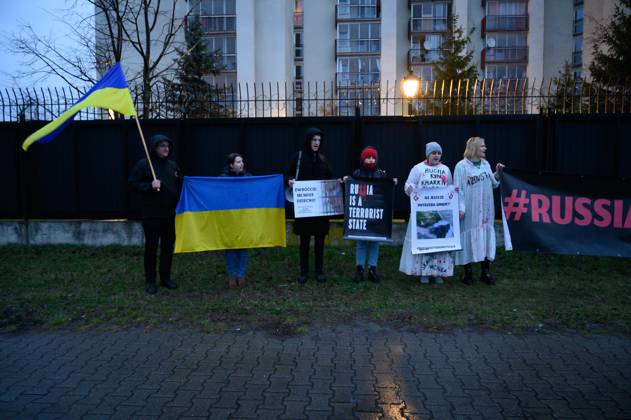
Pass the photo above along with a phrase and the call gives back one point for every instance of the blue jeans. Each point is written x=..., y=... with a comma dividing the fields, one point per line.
x=367, y=247
x=236, y=260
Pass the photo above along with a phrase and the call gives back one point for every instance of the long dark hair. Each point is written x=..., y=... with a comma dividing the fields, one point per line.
x=232, y=157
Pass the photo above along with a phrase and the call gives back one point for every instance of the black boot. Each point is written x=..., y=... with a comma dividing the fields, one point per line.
x=168, y=283
x=151, y=287
x=372, y=274
x=468, y=274
x=359, y=275
x=485, y=275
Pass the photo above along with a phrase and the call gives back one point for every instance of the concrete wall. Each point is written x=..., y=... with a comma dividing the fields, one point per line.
x=536, y=35
x=319, y=32
x=126, y=232
x=394, y=47
x=559, y=42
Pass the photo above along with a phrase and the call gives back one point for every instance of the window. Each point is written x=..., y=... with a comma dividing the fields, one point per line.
x=426, y=48
x=505, y=71
x=357, y=9
x=358, y=37
x=578, y=20
x=298, y=47
x=216, y=15
x=227, y=47
x=507, y=8
x=429, y=16
x=357, y=70
x=298, y=72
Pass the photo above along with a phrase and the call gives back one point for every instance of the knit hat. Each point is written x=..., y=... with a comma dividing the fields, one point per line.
x=369, y=152
x=432, y=147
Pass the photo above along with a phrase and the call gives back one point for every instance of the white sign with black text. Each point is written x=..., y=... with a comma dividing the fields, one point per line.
x=318, y=198
x=434, y=219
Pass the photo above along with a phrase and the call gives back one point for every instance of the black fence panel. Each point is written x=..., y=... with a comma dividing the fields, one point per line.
x=10, y=170
x=83, y=173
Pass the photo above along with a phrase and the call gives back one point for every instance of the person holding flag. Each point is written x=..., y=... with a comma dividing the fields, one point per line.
x=159, y=199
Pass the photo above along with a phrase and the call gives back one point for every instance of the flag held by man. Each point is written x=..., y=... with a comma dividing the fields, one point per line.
x=111, y=92
x=230, y=213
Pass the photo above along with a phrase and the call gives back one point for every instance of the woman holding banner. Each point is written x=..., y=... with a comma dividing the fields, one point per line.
x=424, y=175
x=236, y=259
x=475, y=180
x=310, y=164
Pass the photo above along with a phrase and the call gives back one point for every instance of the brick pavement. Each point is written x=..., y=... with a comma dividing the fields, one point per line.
x=362, y=371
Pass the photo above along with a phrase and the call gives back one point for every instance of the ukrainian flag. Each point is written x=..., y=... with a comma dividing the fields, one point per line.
x=111, y=92
x=230, y=213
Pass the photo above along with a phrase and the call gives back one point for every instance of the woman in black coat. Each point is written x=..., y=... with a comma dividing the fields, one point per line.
x=313, y=166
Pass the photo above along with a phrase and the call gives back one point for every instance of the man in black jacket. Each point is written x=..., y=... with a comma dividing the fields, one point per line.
x=159, y=199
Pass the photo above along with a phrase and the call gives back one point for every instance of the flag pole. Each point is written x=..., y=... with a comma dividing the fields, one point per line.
x=144, y=145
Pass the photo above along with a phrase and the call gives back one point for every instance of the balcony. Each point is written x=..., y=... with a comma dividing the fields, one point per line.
x=506, y=23
x=428, y=25
x=358, y=46
x=218, y=24
x=351, y=79
x=423, y=56
x=356, y=12
x=507, y=55
x=577, y=58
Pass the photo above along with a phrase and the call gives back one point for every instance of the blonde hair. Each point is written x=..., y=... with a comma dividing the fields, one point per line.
x=471, y=147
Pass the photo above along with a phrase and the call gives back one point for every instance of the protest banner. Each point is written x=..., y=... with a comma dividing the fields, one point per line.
x=563, y=214
x=434, y=218
x=318, y=198
x=368, y=209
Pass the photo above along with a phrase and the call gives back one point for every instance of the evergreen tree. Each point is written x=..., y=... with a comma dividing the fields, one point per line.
x=191, y=95
x=456, y=63
x=612, y=52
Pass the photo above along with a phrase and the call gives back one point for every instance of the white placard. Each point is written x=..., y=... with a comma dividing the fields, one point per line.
x=434, y=219
x=318, y=198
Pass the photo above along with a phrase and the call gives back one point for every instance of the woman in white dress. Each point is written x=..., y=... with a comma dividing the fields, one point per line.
x=475, y=182
x=428, y=174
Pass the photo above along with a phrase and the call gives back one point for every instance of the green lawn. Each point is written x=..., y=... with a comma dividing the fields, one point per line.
x=85, y=287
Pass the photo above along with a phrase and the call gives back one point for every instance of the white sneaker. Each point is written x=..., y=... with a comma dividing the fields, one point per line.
x=438, y=280
x=424, y=280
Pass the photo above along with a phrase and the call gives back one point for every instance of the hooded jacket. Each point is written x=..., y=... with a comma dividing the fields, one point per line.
x=157, y=204
x=313, y=166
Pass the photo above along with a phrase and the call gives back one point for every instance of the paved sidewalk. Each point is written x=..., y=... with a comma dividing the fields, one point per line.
x=362, y=371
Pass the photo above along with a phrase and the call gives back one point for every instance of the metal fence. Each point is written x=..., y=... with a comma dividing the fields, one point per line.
x=446, y=97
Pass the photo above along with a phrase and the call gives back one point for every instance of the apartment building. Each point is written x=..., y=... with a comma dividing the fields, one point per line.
x=357, y=51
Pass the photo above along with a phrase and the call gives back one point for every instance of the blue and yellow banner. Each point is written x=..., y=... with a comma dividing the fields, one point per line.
x=111, y=92
x=230, y=213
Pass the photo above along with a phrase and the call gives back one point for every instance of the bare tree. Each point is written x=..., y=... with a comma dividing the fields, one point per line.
x=139, y=30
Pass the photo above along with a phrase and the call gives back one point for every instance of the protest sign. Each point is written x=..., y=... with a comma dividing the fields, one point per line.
x=368, y=209
x=318, y=198
x=434, y=219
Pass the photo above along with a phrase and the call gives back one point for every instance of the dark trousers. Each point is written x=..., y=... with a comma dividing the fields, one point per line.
x=304, y=253
x=158, y=231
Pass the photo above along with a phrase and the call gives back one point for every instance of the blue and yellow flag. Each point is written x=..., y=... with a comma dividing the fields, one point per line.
x=230, y=213
x=110, y=92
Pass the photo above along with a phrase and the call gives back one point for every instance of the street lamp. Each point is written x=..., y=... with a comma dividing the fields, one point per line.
x=410, y=85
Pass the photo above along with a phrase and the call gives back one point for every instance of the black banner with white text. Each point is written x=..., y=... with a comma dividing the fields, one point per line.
x=564, y=214
x=368, y=209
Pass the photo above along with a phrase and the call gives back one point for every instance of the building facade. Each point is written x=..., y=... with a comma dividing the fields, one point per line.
x=352, y=53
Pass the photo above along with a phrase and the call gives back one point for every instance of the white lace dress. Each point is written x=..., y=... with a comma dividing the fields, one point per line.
x=477, y=234
x=438, y=264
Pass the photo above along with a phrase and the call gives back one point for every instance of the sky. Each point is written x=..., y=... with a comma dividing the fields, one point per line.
x=44, y=16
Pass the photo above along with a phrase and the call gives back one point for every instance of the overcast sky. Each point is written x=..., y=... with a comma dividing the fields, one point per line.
x=44, y=16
